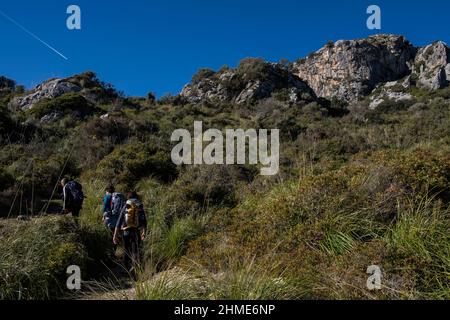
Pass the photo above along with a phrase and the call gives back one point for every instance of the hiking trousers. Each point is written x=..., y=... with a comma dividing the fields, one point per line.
x=132, y=244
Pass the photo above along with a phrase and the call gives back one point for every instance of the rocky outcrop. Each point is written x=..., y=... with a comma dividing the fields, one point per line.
x=86, y=84
x=391, y=91
x=432, y=66
x=348, y=70
x=48, y=90
x=52, y=117
x=252, y=80
x=345, y=70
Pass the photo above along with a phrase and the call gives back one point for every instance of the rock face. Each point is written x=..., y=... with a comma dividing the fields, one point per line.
x=348, y=70
x=252, y=80
x=432, y=66
x=48, y=90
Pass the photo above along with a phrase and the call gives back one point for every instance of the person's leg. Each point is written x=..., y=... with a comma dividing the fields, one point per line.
x=127, y=245
x=76, y=212
x=133, y=246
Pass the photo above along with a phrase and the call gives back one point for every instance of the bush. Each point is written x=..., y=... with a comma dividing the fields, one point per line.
x=7, y=125
x=6, y=179
x=253, y=69
x=68, y=103
x=6, y=83
x=130, y=163
x=202, y=74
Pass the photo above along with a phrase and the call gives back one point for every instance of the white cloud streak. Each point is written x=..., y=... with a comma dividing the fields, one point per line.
x=33, y=35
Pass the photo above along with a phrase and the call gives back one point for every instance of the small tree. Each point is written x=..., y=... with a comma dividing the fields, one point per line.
x=151, y=98
x=6, y=83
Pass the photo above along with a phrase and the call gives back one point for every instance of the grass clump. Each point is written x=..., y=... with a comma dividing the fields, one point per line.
x=244, y=281
x=35, y=256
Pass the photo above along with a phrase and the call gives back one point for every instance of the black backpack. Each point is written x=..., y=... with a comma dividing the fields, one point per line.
x=76, y=193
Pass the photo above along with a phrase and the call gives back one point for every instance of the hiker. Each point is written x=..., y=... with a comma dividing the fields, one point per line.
x=133, y=223
x=113, y=203
x=73, y=197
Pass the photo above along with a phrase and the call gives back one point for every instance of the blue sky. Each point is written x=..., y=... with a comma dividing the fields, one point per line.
x=143, y=46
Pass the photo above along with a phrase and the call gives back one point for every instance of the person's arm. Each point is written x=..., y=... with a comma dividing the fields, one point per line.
x=106, y=206
x=64, y=197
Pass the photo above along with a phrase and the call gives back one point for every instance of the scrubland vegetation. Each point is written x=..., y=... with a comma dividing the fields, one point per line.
x=357, y=187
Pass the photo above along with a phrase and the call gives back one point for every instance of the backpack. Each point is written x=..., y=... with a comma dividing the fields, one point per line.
x=132, y=216
x=117, y=202
x=116, y=205
x=76, y=192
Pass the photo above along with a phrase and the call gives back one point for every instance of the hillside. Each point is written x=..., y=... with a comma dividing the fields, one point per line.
x=364, y=179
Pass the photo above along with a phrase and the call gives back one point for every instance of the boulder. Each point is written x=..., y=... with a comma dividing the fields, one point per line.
x=48, y=90
x=52, y=117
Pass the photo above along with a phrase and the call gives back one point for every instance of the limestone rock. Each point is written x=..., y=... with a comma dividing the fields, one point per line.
x=432, y=66
x=391, y=91
x=48, y=90
x=52, y=117
x=348, y=70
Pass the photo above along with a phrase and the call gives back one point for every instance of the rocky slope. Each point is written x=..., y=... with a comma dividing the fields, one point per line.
x=252, y=80
x=347, y=70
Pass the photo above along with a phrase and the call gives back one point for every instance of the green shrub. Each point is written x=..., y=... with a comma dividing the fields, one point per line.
x=130, y=163
x=202, y=74
x=72, y=103
x=253, y=69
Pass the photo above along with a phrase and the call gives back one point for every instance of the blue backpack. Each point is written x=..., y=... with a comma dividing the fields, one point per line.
x=117, y=204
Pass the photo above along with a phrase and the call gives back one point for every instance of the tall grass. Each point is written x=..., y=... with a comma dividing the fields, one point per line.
x=420, y=243
x=245, y=281
x=34, y=256
x=166, y=241
x=166, y=244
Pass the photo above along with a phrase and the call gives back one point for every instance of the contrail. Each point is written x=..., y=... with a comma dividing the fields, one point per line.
x=33, y=35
